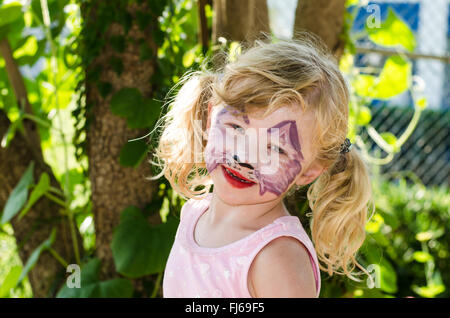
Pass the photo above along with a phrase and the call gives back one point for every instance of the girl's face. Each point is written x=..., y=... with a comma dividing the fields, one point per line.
x=254, y=160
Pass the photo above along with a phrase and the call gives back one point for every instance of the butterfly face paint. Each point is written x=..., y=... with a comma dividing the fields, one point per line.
x=280, y=142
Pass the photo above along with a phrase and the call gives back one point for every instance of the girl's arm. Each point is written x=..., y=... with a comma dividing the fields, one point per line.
x=282, y=269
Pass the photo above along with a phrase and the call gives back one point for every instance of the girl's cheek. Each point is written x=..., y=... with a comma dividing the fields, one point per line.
x=277, y=183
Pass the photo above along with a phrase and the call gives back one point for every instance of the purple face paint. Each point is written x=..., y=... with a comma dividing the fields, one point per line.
x=220, y=149
x=289, y=163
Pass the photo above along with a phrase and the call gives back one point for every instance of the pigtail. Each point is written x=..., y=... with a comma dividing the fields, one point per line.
x=179, y=153
x=339, y=200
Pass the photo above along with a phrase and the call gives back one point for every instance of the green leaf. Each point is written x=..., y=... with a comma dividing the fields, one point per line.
x=145, y=52
x=392, y=33
x=364, y=116
x=116, y=65
x=429, y=291
x=18, y=196
x=430, y=234
x=36, y=253
x=434, y=287
x=157, y=7
x=364, y=84
x=422, y=103
x=10, y=133
x=138, y=248
x=390, y=139
x=91, y=287
x=422, y=257
x=388, y=277
x=145, y=115
x=125, y=102
x=29, y=48
x=189, y=58
x=375, y=223
x=132, y=153
x=394, y=79
x=114, y=288
x=104, y=88
x=10, y=12
x=349, y=3
x=39, y=190
x=10, y=280
x=117, y=42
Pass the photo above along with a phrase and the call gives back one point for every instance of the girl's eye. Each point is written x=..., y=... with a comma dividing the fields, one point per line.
x=237, y=127
x=277, y=149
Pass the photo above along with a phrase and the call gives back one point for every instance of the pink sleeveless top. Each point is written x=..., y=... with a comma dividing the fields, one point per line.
x=196, y=271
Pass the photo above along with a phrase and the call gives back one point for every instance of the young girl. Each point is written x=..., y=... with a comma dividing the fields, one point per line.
x=271, y=121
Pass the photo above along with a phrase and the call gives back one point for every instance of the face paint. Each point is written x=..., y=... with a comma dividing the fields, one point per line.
x=220, y=149
x=289, y=162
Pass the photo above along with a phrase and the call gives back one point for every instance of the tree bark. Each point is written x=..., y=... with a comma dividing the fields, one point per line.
x=36, y=226
x=238, y=20
x=18, y=85
x=324, y=18
x=115, y=187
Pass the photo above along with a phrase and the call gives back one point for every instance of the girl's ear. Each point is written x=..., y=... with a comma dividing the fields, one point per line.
x=310, y=174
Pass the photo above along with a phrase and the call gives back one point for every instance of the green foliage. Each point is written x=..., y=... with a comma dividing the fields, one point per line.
x=138, y=248
x=9, y=13
x=140, y=112
x=394, y=79
x=10, y=280
x=393, y=33
x=36, y=253
x=367, y=83
x=92, y=287
x=18, y=196
x=406, y=241
x=39, y=190
x=11, y=267
x=133, y=152
x=50, y=88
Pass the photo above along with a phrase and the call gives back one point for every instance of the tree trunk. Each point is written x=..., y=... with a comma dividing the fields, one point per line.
x=115, y=187
x=238, y=20
x=46, y=276
x=324, y=18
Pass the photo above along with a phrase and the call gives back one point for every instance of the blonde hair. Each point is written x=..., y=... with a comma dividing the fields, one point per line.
x=270, y=75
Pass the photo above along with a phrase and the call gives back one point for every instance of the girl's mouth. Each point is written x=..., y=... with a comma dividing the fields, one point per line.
x=236, y=179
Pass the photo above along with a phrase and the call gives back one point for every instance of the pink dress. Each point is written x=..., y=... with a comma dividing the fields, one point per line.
x=195, y=271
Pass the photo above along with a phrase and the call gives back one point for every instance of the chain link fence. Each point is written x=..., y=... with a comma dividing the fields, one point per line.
x=427, y=152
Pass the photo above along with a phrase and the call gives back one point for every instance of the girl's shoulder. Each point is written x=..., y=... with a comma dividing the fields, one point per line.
x=194, y=204
x=283, y=268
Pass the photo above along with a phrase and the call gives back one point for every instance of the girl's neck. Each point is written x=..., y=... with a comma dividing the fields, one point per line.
x=248, y=216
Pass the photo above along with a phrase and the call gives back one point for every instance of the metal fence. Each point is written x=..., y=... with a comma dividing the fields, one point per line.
x=427, y=152
x=429, y=21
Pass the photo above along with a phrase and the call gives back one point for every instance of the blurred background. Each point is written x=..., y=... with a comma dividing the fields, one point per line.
x=82, y=84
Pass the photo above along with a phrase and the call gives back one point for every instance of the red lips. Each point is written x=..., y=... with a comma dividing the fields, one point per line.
x=234, y=182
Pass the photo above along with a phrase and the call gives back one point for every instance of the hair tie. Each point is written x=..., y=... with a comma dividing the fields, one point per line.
x=346, y=146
